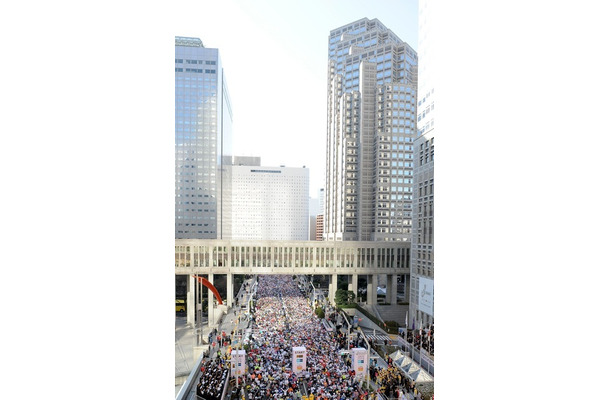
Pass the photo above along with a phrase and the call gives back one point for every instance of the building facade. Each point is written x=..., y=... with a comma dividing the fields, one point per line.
x=320, y=202
x=266, y=203
x=421, y=304
x=371, y=125
x=319, y=227
x=203, y=125
x=319, y=220
x=422, y=243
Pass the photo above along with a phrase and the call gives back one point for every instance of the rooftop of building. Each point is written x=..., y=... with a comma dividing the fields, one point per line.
x=188, y=41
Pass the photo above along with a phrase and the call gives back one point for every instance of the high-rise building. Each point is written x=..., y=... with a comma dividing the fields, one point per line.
x=203, y=136
x=371, y=125
x=319, y=218
x=320, y=202
x=319, y=227
x=422, y=242
x=425, y=93
x=313, y=226
x=266, y=203
x=421, y=302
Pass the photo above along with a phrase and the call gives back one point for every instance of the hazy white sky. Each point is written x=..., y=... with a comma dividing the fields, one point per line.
x=274, y=53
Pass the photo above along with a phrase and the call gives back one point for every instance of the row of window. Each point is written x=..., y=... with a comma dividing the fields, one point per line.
x=183, y=78
x=207, y=62
x=197, y=86
x=425, y=97
x=181, y=121
x=196, y=70
x=423, y=190
x=195, y=224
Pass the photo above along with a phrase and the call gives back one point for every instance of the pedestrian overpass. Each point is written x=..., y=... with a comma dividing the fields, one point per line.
x=212, y=257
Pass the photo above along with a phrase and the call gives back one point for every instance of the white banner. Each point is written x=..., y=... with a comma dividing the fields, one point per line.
x=360, y=362
x=426, y=296
x=299, y=360
x=238, y=362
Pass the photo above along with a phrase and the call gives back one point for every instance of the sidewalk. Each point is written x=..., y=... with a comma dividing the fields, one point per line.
x=236, y=320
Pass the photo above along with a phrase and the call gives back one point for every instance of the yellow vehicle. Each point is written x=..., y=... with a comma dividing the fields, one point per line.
x=180, y=306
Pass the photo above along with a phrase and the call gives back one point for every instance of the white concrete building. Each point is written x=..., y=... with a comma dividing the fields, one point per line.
x=267, y=203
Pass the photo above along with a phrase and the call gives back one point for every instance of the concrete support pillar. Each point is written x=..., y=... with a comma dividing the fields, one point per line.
x=388, y=288
x=411, y=316
x=190, y=300
x=391, y=286
x=332, y=288
x=229, y=290
x=375, y=284
x=198, y=302
x=371, y=290
x=353, y=284
x=210, y=302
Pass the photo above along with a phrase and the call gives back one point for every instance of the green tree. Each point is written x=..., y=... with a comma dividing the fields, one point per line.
x=344, y=297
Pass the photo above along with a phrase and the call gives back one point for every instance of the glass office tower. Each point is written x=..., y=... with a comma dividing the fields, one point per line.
x=203, y=136
x=371, y=111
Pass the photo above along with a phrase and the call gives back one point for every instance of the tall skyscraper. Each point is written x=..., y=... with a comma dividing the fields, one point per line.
x=319, y=218
x=371, y=111
x=422, y=243
x=203, y=136
x=320, y=201
x=421, y=302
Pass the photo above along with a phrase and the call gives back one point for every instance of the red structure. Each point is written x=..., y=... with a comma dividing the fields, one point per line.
x=209, y=286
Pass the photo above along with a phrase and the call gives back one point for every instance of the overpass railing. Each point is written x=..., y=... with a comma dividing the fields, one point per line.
x=191, y=381
x=424, y=361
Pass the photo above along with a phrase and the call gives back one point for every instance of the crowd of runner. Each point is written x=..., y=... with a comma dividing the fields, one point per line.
x=284, y=320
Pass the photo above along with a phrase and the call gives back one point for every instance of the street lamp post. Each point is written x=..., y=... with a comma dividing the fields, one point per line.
x=368, y=373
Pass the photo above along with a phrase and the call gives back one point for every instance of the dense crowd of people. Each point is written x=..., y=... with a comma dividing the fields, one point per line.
x=284, y=320
x=421, y=338
x=212, y=381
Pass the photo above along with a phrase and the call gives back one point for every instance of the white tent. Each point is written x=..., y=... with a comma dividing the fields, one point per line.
x=413, y=376
x=397, y=354
x=413, y=370
x=404, y=362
